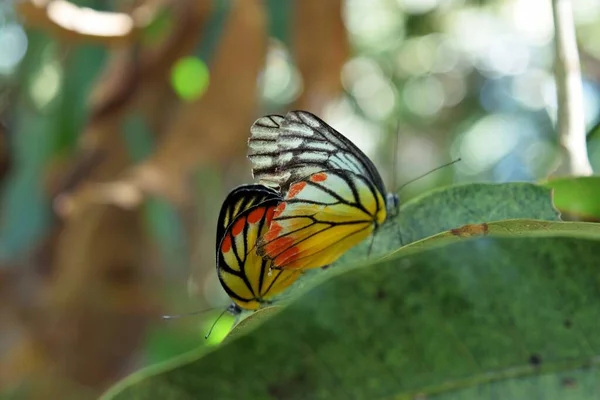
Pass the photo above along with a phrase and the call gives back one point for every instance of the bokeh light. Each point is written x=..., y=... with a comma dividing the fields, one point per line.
x=13, y=46
x=45, y=84
x=280, y=81
x=190, y=78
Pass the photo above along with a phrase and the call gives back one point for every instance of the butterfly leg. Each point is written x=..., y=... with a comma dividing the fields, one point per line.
x=399, y=234
x=371, y=244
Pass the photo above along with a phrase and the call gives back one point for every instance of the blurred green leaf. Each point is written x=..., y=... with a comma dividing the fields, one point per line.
x=280, y=20
x=164, y=221
x=25, y=209
x=159, y=27
x=488, y=317
x=579, y=196
x=173, y=337
x=163, y=342
x=82, y=66
x=190, y=78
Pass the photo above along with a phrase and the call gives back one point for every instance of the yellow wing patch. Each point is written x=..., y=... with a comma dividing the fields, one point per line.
x=320, y=219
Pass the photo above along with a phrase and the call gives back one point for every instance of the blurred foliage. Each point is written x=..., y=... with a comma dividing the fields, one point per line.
x=123, y=127
x=577, y=197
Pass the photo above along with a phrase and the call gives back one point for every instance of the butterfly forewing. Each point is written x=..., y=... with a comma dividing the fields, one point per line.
x=247, y=277
x=321, y=218
x=240, y=199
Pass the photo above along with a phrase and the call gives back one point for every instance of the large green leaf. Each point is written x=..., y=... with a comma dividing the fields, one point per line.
x=483, y=317
x=578, y=196
x=447, y=208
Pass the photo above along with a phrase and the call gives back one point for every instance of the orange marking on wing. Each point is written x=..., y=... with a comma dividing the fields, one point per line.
x=256, y=215
x=279, y=209
x=286, y=257
x=238, y=226
x=273, y=232
x=295, y=189
x=279, y=245
x=269, y=214
x=319, y=177
x=226, y=244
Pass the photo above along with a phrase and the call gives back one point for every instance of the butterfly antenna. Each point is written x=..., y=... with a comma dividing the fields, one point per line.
x=371, y=244
x=394, y=180
x=429, y=172
x=215, y=323
x=175, y=316
x=395, y=154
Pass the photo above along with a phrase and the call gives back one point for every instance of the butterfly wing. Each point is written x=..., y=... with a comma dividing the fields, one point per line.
x=238, y=200
x=247, y=277
x=286, y=150
x=321, y=218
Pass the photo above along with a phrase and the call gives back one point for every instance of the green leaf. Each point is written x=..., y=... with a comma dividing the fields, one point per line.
x=578, y=196
x=516, y=227
x=485, y=317
x=447, y=208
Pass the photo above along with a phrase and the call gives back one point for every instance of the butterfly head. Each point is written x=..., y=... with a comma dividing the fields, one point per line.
x=392, y=202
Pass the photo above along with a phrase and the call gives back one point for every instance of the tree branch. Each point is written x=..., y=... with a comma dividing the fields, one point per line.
x=570, y=118
x=71, y=22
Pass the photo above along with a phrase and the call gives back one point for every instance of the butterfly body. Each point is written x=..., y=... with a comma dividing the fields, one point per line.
x=334, y=196
x=245, y=216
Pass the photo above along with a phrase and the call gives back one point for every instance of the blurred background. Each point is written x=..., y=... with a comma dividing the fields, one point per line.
x=123, y=125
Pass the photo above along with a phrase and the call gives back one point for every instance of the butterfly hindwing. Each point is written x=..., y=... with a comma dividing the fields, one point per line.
x=284, y=150
x=321, y=218
x=247, y=277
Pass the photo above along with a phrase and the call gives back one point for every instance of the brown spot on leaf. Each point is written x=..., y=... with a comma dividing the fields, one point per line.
x=471, y=230
x=535, y=360
x=569, y=382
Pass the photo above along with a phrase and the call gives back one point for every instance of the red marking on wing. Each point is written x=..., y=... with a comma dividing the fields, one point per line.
x=279, y=209
x=256, y=215
x=273, y=232
x=295, y=189
x=319, y=177
x=269, y=214
x=238, y=226
x=226, y=244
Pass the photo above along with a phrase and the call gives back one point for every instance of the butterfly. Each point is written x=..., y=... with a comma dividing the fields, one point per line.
x=247, y=278
x=333, y=196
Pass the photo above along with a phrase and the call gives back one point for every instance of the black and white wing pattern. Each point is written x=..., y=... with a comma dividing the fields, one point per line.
x=239, y=200
x=284, y=150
